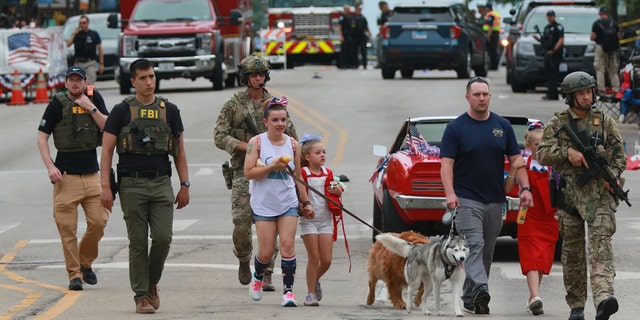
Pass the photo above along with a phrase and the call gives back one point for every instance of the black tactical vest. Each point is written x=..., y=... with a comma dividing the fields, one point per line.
x=148, y=132
x=77, y=131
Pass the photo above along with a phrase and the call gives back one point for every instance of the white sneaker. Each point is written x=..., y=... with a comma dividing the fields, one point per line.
x=535, y=306
x=289, y=300
x=255, y=288
x=621, y=118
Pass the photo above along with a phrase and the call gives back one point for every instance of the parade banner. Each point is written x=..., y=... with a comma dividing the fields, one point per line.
x=30, y=50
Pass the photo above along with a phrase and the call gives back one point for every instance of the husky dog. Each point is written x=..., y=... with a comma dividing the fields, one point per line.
x=431, y=264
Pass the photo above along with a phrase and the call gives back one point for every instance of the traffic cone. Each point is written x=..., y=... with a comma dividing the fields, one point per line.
x=17, y=96
x=42, y=95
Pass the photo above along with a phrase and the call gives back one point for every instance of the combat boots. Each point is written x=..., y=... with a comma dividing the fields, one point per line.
x=267, y=285
x=244, y=273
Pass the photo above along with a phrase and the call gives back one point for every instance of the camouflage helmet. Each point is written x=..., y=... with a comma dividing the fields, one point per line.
x=253, y=63
x=576, y=81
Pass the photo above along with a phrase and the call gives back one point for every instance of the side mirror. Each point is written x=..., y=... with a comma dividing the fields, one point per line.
x=379, y=150
x=112, y=21
x=236, y=17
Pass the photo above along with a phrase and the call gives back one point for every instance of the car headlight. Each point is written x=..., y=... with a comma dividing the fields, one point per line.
x=205, y=43
x=524, y=48
x=129, y=46
x=504, y=42
x=591, y=48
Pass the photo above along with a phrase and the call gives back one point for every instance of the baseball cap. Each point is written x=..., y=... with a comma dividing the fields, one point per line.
x=604, y=10
x=551, y=13
x=76, y=70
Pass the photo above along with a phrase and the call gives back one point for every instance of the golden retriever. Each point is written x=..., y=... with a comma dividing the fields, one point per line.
x=389, y=267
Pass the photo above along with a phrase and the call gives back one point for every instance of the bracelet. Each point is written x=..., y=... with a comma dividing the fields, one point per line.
x=306, y=203
x=512, y=177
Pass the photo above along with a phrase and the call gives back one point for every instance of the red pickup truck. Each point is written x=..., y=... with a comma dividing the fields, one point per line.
x=185, y=38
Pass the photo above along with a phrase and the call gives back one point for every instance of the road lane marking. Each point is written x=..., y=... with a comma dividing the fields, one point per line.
x=182, y=224
x=32, y=296
x=6, y=227
x=342, y=133
x=68, y=299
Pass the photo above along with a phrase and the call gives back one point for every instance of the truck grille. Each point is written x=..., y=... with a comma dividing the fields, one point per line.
x=569, y=51
x=311, y=25
x=179, y=46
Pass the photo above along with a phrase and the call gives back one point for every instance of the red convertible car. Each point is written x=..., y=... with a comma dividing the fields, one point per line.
x=407, y=190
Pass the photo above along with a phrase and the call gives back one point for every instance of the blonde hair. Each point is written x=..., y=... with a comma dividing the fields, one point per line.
x=306, y=149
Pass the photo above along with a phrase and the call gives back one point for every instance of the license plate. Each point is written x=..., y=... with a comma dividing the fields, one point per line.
x=563, y=67
x=419, y=35
x=165, y=66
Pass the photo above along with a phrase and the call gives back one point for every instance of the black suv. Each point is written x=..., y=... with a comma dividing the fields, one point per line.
x=517, y=21
x=528, y=55
x=443, y=36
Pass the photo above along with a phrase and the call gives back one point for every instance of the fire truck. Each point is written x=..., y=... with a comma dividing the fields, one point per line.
x=184, y=39
x=311, y=31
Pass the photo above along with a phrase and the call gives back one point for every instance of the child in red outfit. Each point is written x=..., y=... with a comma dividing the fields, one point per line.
x=539, y=233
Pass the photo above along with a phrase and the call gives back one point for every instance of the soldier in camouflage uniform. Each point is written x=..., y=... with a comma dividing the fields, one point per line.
x=590, y=202
x=240, y=119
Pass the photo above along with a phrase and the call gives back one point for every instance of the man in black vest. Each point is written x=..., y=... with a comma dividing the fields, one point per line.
x=146, y=129
x=552, y=42
x=85, y=42
x=606, y=33
x=75, y=120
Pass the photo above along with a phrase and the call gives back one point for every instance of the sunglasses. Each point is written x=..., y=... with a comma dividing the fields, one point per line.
x=255, y=74
x=82, y=22
x=478, y=79
x=536, y=125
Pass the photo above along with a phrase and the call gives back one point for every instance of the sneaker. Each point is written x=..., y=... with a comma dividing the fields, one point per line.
x=88, y=275
x=289, y=300
x=318, y=291
x=606, y=308
x=144, y=306
x=255, y=289
x=621, y=118
x=244, y=273
x=577, y=314
x=155, y=297
x=266, y=281
x=481, y=301
x=311, y=300
x=75, y=284
x=535, y=306
x=468, y=308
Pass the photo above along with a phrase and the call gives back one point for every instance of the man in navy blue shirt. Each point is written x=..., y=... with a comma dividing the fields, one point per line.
x=472, y=150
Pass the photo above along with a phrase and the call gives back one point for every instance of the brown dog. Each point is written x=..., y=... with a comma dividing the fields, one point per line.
x=389, y=267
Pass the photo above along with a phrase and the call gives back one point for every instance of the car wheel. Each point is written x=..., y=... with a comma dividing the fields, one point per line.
x=216, y=77
x=230, y=81
x=125, y=83
x=464, y=71
x=508, y=76
x=481, y=70
x=377, y=219
x=406, y=73
x=387, y=72
x=517, y=86
x=391, y=221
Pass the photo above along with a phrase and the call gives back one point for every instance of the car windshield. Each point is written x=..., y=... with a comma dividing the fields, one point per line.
x=99, y=24
x=573, y=22
x=176, y=10
x=420, y=14
x=308, y=3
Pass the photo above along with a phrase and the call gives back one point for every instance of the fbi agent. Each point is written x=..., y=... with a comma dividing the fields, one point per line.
x=75, y=119
x=144, y=130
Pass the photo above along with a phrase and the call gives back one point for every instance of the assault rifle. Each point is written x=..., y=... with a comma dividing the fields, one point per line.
x=598, y=165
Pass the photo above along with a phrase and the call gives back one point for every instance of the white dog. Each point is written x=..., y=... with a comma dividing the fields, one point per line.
x=431, y=264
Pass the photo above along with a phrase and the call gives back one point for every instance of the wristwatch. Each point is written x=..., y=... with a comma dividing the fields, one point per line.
x=523, y=189
x=185, y=183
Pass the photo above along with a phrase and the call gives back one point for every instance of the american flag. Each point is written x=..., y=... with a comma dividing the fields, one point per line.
x=415, y=141
x=26, y=46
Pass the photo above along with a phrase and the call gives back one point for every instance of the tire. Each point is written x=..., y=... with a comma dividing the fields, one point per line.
x=508, y=76
x=216, y=77
x=230, y=81
x=125, y=83
x=387, y=72
x=517, y=86
x=406, y=73
x=481, y=70
x=377, y=220
x=464, y=71
x=391, y=221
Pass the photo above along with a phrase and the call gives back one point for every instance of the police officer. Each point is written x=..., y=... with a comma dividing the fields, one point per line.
x=75, y=118
x=591, y=202
x=145, y=129
x=239, y=120
x=85, y=42
x=491, y=25
x=552, y=42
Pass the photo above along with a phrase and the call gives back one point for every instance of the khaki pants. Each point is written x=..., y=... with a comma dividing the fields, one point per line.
x=606, y=63
x=91, y=68
x=77, y=190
